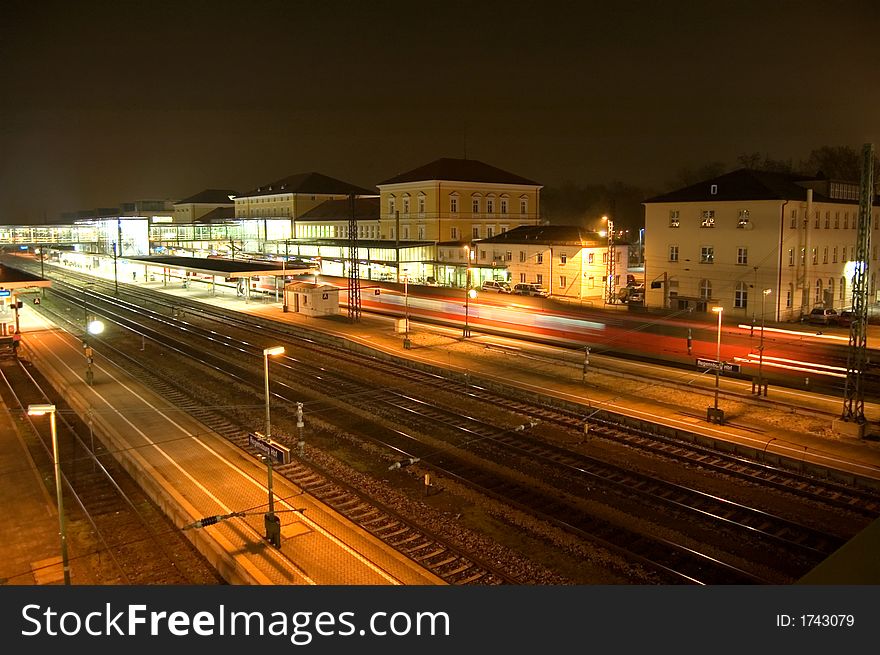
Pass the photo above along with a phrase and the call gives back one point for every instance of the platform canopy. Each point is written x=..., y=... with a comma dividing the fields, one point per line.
x=227, y=268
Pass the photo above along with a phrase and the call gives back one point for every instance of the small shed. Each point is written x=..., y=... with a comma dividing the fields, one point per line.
x=311, y=299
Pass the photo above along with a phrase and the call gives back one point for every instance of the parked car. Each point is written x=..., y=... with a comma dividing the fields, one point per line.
x=845, y=318
x=533, y=289
x=497, y=286
x=820, y=316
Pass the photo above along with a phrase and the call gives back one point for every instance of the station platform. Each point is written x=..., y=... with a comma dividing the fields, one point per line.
x=625, y=387
x=629, y=387
x=191, y=473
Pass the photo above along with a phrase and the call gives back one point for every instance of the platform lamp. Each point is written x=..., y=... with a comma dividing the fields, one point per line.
x=93, y=327
x=764, y=294
x=717, y=415
x=271, y=520
x=469, y=293
x=40, y=410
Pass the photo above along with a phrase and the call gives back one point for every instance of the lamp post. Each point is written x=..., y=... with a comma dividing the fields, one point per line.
x=91, y=327
x=271, y=520
x=40, y=410
x=469, y=293
x=406, y=342
x=764, y=294
x=716, y=415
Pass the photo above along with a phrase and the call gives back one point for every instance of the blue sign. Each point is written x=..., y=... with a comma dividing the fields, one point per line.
x=4, y=293
x=269, y=448
x=22, y=247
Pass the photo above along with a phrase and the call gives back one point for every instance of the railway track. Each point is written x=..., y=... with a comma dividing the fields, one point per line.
x=538, y=504
x=129, y=539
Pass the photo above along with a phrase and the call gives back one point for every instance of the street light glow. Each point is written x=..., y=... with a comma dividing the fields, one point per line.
x=95, y=327
x=40, y=410
x=274, y=350
x=718, y=309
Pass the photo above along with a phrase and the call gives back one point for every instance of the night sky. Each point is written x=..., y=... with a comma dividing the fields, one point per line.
x=103, y=103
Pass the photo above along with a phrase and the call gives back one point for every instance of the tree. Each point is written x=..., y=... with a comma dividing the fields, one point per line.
x=838, y=163
x=758, y=162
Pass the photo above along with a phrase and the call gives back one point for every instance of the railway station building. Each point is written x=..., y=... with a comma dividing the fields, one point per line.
x=725, y=241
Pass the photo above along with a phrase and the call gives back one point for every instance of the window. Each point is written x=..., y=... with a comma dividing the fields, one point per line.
x=707, y=255
x=793, y=223
x=504, y=205
x=845, y=220
x=405, y=234
x=673, y=253
x=482, y=254
x=453, y=233
x=522, y=256
x=490, y=231
x=508, y=256
x=590, y=257
x=604, y=257
x=522, y=278
x=816, y=223
x=504, y=229
x=741, y=295
x=421, y=204
x=562, y=259
x=475, y=231
x=539, y=259
x=523, y=206
x=705, y=289
x=743, y=218
x=475, y=206
x=713, y=189
x=421, y=232
x=406, y=206
x=562, y=281
x=673, y=218
x=803, y=256
x=815, y=255
x=742, y=255
x=827, y=220
x=539, y=278
x=708, y=218
x=817, y=297
x=453, y=204
x=834, y=255
x=836, y=220
x=788, y=296
x=490, y=205
x=825, y=255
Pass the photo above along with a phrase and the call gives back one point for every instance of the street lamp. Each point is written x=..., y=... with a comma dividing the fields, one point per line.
x=716, y=415
x=271, y=520
x=40, y=410
x=764, y=294
x=469, y=293
x=92, y=327
x=406, y=342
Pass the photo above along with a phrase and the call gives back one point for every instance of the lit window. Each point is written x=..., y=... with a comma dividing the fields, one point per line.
x=708, y=218
x=539, y=258
x=707, y=255
x=563, y=259
x=453, y=205
x=741, y=295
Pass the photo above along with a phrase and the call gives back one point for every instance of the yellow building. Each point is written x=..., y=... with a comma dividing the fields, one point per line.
x=566, y=259
x=726, y=240
x=456, y=200
x=196, y=207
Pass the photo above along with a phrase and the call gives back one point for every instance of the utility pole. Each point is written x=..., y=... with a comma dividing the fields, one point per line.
x=354, y=274
x=854, y=392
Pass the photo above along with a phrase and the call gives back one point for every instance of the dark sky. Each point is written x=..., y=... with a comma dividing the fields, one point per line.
x=102, y=103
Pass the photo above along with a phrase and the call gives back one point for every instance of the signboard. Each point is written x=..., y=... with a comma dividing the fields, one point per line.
x=273, y=449
x=4, y=293
x=715, y=365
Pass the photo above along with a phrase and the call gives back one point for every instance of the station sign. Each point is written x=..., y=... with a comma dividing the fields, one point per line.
x=278, y=452
x=5, y=293
x=715, y=365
